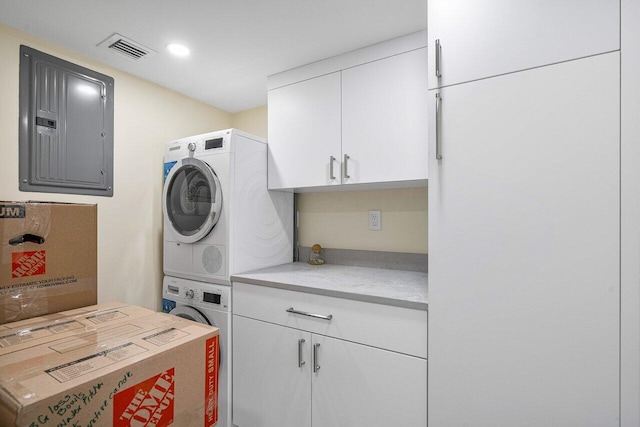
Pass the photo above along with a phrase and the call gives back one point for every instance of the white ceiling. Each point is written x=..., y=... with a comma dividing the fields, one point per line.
x=235, y=44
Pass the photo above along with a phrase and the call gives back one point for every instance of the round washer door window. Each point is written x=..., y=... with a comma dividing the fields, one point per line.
x=192, y=313
x=192, y=200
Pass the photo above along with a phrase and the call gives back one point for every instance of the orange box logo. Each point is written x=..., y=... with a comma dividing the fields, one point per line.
x=211, y=381
x=149, y=403
x=25, y=264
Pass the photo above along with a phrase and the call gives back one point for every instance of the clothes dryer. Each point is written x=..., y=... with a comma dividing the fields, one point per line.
x=219, y=217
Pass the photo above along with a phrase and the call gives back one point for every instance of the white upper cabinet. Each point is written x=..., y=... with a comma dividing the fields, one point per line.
x=304, y=133
x=384, y=119
x=484, y=38
x=359, y=118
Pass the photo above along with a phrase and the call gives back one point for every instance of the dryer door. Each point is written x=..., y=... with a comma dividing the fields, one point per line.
x=192, y=199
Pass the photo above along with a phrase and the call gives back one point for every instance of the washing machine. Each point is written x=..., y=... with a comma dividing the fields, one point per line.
x=219, y=217
x=209, y=304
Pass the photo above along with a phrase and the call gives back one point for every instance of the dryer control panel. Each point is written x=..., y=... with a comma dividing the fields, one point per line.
x=198, y=145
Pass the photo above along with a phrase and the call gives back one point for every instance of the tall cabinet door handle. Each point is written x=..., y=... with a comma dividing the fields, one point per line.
x=331, y=160
x=316, y=365
x=346, y=166
x=438, y=53
x=438, y=138
x=300, y=361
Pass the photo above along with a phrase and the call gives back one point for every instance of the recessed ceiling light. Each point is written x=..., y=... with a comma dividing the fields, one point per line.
x=178, y=49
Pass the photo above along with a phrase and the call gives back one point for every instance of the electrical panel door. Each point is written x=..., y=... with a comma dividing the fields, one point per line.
x=66, y=126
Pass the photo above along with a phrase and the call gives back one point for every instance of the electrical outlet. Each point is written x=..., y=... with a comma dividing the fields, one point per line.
x=375, y=220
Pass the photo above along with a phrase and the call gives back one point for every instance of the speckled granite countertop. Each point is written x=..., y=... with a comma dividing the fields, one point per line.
x=391, y=287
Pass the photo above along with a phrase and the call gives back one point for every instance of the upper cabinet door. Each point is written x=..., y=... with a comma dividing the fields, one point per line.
x=484, y=38
x=384, y=119
x=304, y=133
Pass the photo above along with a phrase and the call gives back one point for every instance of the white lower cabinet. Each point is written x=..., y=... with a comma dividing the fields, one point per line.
x=269, y=388
x=358, y=385
x=287, y=377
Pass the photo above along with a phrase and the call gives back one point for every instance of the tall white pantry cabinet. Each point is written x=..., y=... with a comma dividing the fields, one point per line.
x=524, y=213
x=630, y=225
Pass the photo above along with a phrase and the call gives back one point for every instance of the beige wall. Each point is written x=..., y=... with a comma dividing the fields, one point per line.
x=341, y=220
x=253, y=121
x=130, y=222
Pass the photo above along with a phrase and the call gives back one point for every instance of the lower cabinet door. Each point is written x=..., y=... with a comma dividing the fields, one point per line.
x=358, y=385
x=270, y=389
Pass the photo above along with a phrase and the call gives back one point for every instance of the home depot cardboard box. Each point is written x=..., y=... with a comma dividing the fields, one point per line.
x=161, y=370
x=49, y=258
x=112, y=318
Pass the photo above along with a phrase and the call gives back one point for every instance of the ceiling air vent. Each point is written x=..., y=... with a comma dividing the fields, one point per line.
x=126, y=47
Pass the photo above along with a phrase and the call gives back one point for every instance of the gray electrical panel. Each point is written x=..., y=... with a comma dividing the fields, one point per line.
x=66, y=127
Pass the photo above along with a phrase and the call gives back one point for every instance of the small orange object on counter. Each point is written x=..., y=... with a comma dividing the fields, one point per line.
x=315, y=256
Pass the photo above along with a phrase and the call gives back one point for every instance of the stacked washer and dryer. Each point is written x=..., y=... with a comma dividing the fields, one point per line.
x=219, y=220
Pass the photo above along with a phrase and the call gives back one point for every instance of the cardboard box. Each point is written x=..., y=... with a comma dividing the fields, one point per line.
x=49, y=258
x=162, y=371
x=111, y=318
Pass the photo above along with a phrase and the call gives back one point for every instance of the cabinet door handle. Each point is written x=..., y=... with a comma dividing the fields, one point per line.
x=438, y=139
x=346, y=166
x=304, y=313
x=300, y=361
x=438, y=53
x=316, y=365
x=331, y=160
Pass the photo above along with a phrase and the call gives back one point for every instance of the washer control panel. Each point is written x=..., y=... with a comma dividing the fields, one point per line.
x=209, y=295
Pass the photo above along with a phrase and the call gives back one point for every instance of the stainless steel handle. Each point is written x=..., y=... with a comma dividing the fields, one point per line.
x=438, y=139
x=346, y=166
x=331, y=160
x=438, y=53
x=300, y=361
x=316, y=365
x=304, y=313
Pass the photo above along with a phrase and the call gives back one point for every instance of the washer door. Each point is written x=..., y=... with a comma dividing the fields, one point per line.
x=190, y=313
x=194, y=314
x=192, y=199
